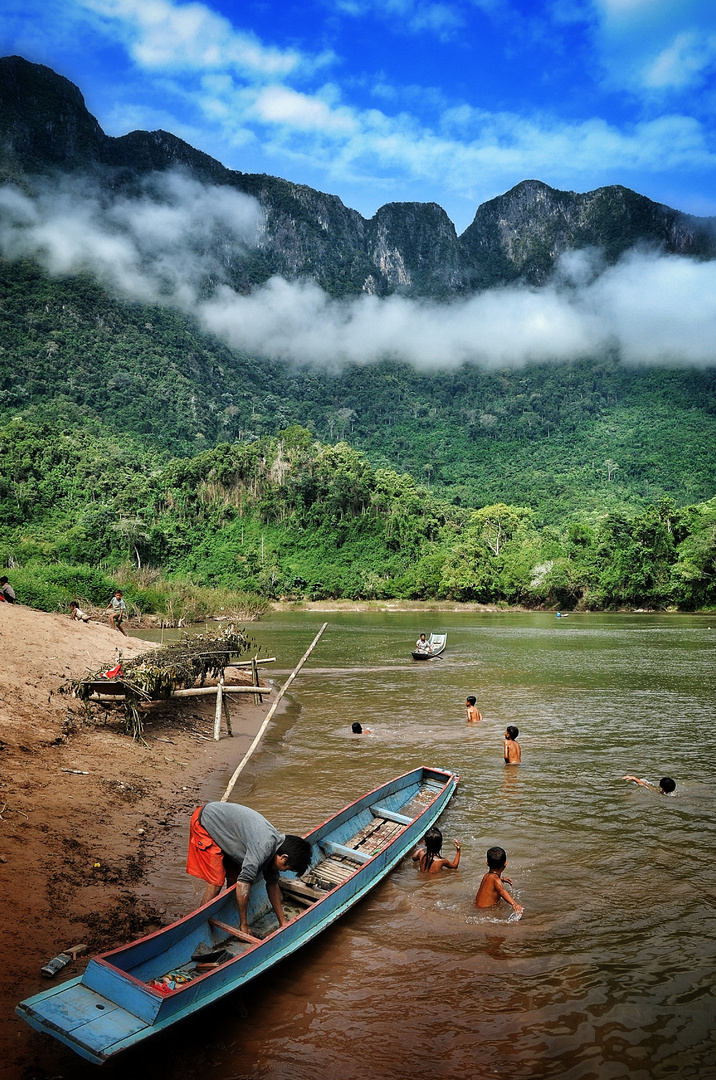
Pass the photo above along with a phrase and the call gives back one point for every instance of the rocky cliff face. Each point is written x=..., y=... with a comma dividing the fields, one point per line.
x=406, y=247
x=521, y=234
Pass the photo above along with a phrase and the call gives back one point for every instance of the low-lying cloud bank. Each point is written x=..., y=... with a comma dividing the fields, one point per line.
x=172, y=242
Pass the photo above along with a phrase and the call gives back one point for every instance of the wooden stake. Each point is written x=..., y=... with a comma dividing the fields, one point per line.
x=217, y=715
x=227, y=716
x=255, y=679
x=272, y=710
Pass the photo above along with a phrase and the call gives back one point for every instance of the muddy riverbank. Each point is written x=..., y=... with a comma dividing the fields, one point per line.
x=86, y=814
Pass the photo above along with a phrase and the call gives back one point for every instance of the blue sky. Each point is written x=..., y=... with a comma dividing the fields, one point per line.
x=452, y=101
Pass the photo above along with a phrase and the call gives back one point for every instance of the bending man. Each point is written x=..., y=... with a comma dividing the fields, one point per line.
x=233, y=843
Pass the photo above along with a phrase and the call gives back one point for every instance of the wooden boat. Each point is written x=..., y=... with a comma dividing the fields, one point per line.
x=434, y=646
x=138, y=990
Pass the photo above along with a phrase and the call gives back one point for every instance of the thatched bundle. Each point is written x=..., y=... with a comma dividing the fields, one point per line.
x=157, y=674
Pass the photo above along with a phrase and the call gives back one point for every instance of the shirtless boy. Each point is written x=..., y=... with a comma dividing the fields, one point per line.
x=513, y=752
x=491, y=889
x=473, y=713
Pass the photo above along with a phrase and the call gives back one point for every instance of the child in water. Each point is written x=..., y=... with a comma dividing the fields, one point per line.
x=429, y=857
x=473, y=713
x=667, y=786
x=358, y=729
x=491, y=889
x=513, y=752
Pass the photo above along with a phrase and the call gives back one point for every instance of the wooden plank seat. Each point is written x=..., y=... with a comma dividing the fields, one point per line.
x=390, y=815
x=345, y=851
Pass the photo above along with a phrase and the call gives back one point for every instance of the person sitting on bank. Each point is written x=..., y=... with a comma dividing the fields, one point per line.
x=422, y=644
x=77, y=613
x=235, y=844
x=8, y=593
x=666, y=785
x=117, y=609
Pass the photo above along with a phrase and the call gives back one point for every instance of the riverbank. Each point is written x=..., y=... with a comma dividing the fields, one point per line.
x=460, y=606
x=86, y=813
x=386, y=605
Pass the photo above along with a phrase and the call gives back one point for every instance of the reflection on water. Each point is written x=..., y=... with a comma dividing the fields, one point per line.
x=610, y=971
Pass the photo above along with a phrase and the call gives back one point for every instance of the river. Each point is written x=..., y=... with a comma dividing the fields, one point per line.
x=610, y=971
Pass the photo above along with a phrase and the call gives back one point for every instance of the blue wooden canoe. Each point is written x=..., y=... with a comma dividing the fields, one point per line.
x=135, y=991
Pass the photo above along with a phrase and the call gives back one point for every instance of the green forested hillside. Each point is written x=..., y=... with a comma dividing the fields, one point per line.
x=290, y=517
x=562, y=439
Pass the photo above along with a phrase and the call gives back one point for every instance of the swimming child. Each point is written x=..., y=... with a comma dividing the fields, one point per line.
x=491, y=889
x=473, y=713
x=429, y=858
x=513, y=752
x=667, y=786
x=358, y=729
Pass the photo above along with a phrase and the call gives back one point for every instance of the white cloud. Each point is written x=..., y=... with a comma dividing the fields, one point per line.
x=161, y=246
x=409, y=16
x=302, y=112
x=166, y=245
x=656, y=46
x=651, y=309
x=474, y=151
x=682, y=63
x=192, y=37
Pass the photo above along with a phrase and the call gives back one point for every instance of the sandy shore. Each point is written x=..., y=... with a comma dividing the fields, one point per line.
x=85, y=813
x=386, y=605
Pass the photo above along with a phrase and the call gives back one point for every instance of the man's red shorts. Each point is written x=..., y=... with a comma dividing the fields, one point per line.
x=205, y=859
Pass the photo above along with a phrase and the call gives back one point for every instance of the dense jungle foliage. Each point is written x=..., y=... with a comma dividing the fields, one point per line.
x=287, y=516
x=591, y=436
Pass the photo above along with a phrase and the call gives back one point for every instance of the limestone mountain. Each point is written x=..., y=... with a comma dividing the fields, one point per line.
x=412, y=247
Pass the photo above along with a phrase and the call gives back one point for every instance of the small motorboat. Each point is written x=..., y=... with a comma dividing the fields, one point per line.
x=433, y=647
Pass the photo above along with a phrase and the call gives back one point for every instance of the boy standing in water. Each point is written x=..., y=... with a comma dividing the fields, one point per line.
x=513, y=752
x=473, y=713
x=491, y=889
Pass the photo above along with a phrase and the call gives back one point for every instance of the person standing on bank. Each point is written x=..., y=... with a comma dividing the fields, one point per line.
x=233, y=843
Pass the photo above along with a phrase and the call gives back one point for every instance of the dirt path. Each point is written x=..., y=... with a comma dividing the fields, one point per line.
x=85, y=812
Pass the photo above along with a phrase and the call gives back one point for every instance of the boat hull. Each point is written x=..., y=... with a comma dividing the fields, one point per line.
x=113, y=1006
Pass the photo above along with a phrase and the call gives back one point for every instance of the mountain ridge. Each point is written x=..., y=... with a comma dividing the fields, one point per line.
x=406, y=247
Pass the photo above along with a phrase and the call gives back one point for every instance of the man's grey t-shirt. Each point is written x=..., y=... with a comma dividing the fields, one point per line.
x=246, y=837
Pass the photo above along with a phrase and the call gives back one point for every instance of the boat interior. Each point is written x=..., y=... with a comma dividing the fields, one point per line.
x=211, y=937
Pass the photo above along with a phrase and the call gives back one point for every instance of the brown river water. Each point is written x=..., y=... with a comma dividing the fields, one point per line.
x=610, y=971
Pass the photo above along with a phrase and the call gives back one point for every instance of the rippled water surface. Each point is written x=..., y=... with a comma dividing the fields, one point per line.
x=610, y=971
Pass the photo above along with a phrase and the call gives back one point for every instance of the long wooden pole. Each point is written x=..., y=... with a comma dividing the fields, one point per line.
x=205, y=691
x=272, y=710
